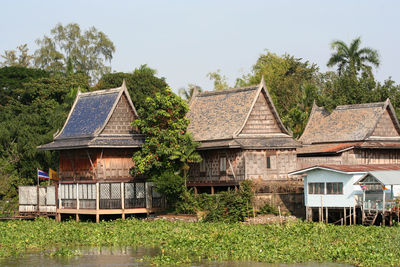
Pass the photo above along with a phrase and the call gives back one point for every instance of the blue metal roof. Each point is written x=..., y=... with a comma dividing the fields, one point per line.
x=89, y=114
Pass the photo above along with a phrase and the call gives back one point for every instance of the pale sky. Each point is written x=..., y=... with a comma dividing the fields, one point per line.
x=184, y=40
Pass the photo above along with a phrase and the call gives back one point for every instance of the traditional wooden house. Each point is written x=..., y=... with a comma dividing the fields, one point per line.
x=241, y=136
x=351, y=134
x=96, y=146
x=332, y=193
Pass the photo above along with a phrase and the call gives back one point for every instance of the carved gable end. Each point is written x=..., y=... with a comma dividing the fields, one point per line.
x=385, y=127
x=121, y=119
x=261, y=119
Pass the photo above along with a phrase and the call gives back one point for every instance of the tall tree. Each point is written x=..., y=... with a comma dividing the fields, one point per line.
x=19, y=57
x=292, y=83
x=67, y=48
x=220, y=81
x=352, y=58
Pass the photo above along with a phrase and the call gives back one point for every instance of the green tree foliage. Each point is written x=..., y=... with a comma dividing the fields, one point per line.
x=19, y=57
x=352, y=59
x=229, y=206
x=292, y=84
x=36, y=106
x=141, y=83
x=220, y=81
x=168, y=147
x=12, y=80
x=69, y=49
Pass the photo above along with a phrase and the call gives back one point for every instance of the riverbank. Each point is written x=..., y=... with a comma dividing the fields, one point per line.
x=181, y=242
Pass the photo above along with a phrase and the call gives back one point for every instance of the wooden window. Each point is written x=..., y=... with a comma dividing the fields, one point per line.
x=334, y=188
x=316, y=188
x=268, y=162
x=203, y=166
x=222, y=165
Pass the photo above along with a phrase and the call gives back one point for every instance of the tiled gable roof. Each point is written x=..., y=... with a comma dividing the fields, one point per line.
x=89, y=114
x=347, y=123
x=88, y=117
x=222, y=115
x=218, y=115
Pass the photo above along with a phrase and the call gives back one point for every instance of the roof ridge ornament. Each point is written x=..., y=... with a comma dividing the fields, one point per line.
x=123, y=86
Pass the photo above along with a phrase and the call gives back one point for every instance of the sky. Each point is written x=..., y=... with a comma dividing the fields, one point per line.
x=185, y=40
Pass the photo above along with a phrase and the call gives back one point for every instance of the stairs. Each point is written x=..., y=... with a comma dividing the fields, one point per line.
x=370, y=217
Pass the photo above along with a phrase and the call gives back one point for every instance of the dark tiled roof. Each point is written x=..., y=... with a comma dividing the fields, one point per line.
x=89, y=115
x=347, y=123
x=216, y=118
x=338, y=148
x=98, y=142
x=326, y=148
x=218, y=115
x=268, y=142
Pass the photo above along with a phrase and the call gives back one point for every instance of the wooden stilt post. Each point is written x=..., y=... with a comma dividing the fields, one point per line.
x=97, y=202
x=383, y=208
x=354, y=215
x=58, y=217
x=344, y=216
x=212, y=190
x=350, y=216
x=123, y=201
x=307, y=214
x=326, y=215
x=319, y=214
x=195, y=190
x=311, y=214
x=77, y=217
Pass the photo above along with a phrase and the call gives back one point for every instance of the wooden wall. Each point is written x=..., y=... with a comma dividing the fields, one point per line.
x=352, y=157
x=244, y=164
x=96, y=164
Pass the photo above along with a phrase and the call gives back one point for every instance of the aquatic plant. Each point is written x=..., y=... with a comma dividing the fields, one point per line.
x=181, y=242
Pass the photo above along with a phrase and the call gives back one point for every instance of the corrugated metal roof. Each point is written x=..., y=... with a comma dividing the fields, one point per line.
x=350, y=168
x=385, y=177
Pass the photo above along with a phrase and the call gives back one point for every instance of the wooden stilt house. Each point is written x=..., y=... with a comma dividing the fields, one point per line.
x=96, y=146
x=351, y=134
x=241, y=136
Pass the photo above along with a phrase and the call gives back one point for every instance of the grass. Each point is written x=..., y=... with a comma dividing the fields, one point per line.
x=181, y=242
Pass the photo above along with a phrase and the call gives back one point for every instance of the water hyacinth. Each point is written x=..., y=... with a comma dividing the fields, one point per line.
x=181, y=242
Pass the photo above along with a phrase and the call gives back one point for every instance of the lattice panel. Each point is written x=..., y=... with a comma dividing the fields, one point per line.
x=105, y=191
x=115, y=191
x=140, y=190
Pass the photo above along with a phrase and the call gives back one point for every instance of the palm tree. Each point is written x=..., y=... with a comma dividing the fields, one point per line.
x=188, y=93
x=187, y=155
x=352, y=58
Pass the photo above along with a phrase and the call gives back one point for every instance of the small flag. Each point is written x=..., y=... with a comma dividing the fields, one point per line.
x=53, y=174
x=384, y=187
x=42, y=175
x=363, y=187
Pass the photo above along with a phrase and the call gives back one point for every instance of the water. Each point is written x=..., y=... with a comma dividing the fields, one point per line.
x=127, y=256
